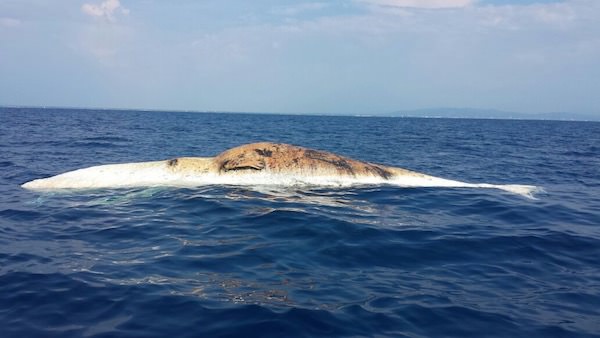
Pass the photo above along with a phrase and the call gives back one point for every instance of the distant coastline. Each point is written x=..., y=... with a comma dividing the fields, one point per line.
x=471, y=113
x=451, y=113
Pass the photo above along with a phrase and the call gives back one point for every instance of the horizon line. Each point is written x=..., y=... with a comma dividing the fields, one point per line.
x=400, y=113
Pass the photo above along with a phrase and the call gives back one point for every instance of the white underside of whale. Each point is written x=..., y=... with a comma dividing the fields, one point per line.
x=152, y=174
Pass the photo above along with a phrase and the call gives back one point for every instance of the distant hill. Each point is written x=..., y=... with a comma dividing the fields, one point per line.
x=491, y=114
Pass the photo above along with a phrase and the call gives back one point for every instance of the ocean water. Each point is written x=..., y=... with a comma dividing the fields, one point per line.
x=225, y=261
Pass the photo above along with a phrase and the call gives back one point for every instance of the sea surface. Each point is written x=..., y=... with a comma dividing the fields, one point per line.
x=229, y=261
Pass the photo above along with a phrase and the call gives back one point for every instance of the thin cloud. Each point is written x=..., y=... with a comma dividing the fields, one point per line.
x=9, y=22
x=105, y=10
x=299, y=8
x=426, y=4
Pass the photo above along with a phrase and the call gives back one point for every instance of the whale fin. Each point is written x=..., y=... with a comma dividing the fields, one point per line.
x=244, y=164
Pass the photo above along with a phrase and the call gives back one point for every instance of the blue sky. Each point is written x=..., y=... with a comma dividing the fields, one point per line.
x=352, y=56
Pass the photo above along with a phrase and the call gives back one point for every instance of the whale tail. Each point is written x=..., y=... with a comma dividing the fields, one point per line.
x=407, y=178
x=527, y=191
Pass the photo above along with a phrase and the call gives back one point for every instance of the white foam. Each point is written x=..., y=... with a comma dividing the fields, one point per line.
x=149, y=174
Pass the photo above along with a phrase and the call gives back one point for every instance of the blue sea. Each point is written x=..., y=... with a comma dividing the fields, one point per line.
x=233, y=261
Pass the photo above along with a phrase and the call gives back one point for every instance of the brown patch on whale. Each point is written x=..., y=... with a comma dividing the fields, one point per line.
x=191, y=165
x=290, y=159
x=264, y=152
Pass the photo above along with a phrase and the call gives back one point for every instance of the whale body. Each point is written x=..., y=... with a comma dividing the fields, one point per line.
x=262, y=163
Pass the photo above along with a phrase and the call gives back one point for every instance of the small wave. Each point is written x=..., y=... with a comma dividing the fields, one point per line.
x=107, y=139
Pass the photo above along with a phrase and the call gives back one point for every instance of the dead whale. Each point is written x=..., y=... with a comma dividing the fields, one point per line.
x=262, y=163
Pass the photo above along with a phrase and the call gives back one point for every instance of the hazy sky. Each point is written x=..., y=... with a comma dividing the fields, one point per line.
x=352, y=56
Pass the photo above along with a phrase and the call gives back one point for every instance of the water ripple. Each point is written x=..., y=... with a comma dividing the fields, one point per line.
x=362, y=261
